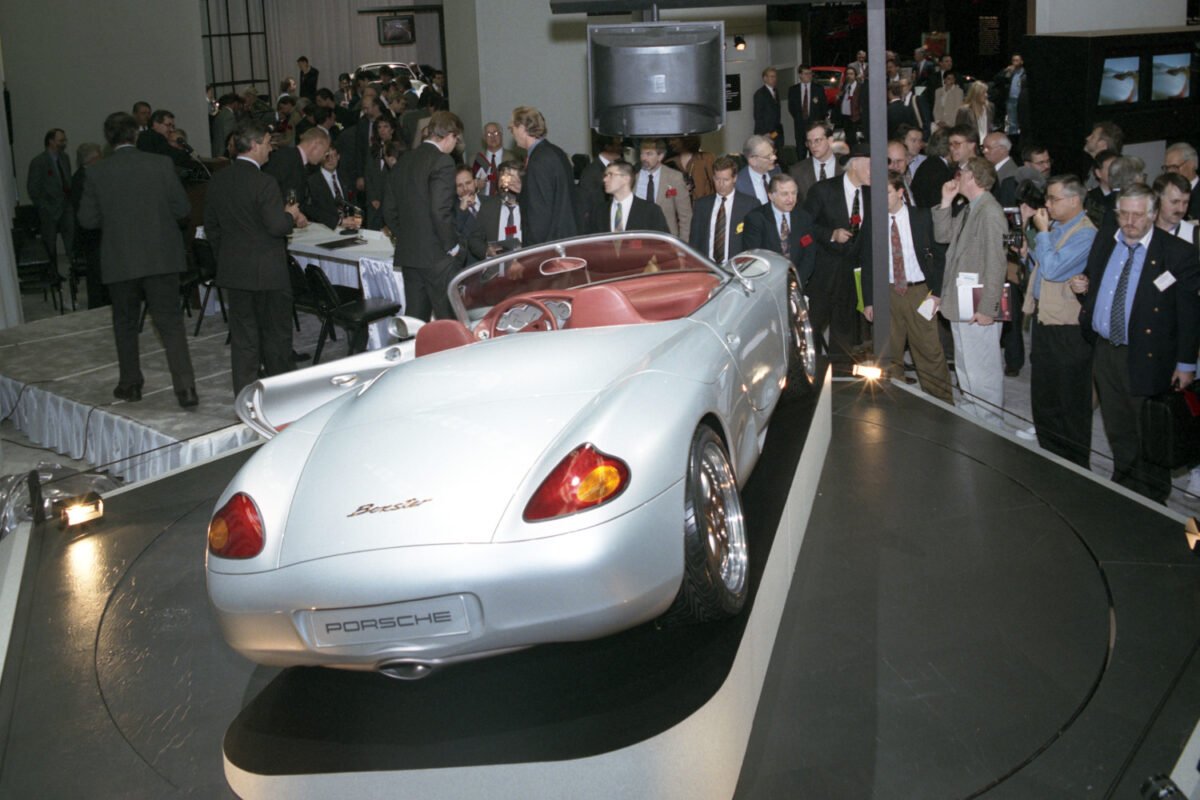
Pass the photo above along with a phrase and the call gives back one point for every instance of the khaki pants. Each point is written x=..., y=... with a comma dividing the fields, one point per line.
x=922, y=337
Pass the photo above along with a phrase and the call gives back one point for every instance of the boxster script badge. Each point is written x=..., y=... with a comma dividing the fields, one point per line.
x=371, y=508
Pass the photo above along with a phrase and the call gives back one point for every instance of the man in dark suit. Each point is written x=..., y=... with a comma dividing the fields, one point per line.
x=157, y=138
x=717, y=220
x=761, y=166
x=291, y=166
x=1142, y=314
x=935, y=170
x=466, y=214
x=916, y=264
x=418, y=206
x=768, y=121
x=839, y=210
x=590, y=197
x=136, y=201
x=625, y=211
x=49, y=187
x=308, y=79
x=547, y=202
x=782, y=227
x=324, y=198
x=897, y=112
x=807, y=105
x=820, y=164
x=247, y=223
x=1181, y=157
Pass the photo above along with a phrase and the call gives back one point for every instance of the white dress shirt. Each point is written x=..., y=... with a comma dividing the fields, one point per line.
x=912, y=265
x=712, y=222
x=625, y=206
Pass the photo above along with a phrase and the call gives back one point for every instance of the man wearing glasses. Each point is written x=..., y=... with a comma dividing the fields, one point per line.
x=1141, y=312
x=760, y=168
x=418, y=207
x=1181, y=158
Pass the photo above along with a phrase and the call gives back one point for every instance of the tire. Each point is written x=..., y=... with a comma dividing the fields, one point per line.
x=802, y=349
x=716, y=559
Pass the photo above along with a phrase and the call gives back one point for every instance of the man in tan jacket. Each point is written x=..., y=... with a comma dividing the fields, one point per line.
x=665, y=186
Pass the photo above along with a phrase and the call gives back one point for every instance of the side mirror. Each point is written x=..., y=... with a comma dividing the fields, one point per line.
x=402, y=328
x=747, y=268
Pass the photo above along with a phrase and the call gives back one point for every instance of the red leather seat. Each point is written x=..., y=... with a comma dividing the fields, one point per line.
x=597, y=306
x=442, y=334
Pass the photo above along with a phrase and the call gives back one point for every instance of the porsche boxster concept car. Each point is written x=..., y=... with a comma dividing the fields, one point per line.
x=560, y=461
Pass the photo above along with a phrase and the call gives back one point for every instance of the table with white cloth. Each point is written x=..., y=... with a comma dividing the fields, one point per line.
x=367, y=265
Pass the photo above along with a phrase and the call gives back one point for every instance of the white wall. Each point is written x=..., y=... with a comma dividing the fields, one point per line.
x=1068, y=16
x=69, y=64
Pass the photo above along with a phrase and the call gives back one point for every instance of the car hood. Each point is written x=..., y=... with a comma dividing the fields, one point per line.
x=434, y=451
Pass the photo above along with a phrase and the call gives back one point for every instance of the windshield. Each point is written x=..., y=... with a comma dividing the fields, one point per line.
x=571, y=264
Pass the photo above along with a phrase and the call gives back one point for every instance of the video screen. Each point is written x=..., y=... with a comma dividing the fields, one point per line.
x=1172, y=77
x=1119, y=83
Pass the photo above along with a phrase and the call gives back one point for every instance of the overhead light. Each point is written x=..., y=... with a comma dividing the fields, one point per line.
x=739, y=43
x=868, y=371
x=83, y=509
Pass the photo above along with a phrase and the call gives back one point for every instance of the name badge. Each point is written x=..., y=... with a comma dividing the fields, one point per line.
x=1164, y=281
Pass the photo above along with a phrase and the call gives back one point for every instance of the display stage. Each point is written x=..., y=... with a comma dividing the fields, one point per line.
x=966, y=618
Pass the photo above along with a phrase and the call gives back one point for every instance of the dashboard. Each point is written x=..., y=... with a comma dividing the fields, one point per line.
x=521, y=316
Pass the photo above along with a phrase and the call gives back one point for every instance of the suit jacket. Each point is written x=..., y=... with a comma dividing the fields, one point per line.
x=746, y=178
x=702, y=213
x=671, y=195
x=319, y=204
x=46, y=186
x=927, y=182
x=246, y=225
x=643, y=216
x=418, y=207
x=826, y=202
x=767, y=118
x=818, y=107
x=491, y=209
x=137, y=201
x=856, y=103
x=805, y=175
x=590, y=198
x=930, y=255
x=1194, y=203
x=760, y=231
x=287, y=167
x=946, y=105
x=547, y=202
x=308, y=83
x=899, y=114
x=471, y=235
x=966, y=116
x=151, y=141
x=975, y=244
x=1164, y=325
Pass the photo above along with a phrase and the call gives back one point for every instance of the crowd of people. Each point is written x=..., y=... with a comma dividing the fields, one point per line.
x=1104, y=265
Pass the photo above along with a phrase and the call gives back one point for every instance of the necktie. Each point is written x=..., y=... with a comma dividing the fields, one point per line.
x=472, y=209
x=898, y=279
x=492, y=174
x=650, y=188
x=804, y=101
x=1116, y=319
x=618, y=219
x=766, y=184
x=785, y=233
x=855, y=214
x=337, y=189
x=718, y=245
x=509, y=225
x=823, y=174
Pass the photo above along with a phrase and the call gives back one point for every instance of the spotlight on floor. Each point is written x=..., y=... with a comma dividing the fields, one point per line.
x=83, y=509
x=869, y=371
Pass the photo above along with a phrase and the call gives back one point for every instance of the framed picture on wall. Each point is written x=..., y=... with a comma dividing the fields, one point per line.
x=397, y=30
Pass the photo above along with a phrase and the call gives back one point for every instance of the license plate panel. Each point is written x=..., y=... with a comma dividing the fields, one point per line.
x=430, y=618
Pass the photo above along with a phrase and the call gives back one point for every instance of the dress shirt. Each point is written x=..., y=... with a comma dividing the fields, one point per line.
x=1102, y=314
x=849, y=189
x=851, y=88
x=247, y=159
x=756, y=180
x=916, y=162
x=1060, y=263
x=643, y=176
x=482, y=173
x=780, y=216
x=712, y=222
x=625, y=205
x=830, y=166
x=912, y=265
x=501, y=235
x=330, y=177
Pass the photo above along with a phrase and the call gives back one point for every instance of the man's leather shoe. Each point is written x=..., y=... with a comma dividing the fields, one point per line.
x=130, y=394
x=188, y=397
x=1012, y=372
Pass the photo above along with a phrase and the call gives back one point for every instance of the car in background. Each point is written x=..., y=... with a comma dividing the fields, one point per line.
x=371, y=72
x=830, y=79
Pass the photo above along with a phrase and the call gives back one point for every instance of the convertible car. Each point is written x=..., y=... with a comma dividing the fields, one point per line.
x=560, y=461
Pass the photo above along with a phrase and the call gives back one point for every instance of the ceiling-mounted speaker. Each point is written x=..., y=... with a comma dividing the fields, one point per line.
x=656, y=79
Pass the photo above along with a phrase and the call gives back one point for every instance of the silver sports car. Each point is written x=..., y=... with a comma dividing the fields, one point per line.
x=560, y=461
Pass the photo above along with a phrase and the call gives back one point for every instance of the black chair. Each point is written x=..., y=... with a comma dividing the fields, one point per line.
x=35, y=272
x=353, y=316
x=206, y=276
x=302, y=296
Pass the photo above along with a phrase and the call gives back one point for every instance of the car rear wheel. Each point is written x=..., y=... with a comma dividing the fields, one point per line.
x=802, y=350
x=716, y=567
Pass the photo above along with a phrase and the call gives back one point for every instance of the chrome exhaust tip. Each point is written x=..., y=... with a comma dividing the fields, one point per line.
x=407, y=670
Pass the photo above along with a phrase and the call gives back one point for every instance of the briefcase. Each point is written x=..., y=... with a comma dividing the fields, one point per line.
x=1171, y=429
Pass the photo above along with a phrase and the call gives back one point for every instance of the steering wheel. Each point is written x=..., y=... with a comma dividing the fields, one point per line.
x=545, y=315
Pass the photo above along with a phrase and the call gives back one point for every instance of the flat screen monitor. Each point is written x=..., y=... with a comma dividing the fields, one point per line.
x=1119, y=81
x=656, y=79
x=1172, y=76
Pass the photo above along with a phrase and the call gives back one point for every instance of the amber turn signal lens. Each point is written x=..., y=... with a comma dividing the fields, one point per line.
x=585, y=478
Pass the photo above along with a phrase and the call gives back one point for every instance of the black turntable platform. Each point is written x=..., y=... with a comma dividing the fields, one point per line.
x=966, y=619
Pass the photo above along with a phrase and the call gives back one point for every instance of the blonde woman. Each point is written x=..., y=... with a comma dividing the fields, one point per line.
x=976, y=112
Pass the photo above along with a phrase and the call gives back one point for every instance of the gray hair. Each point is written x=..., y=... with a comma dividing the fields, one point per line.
x=1184, y=150
x=1139, y=189
x=87, y=152
x=1070, y=185
x=1125, y=171
x=753, y=143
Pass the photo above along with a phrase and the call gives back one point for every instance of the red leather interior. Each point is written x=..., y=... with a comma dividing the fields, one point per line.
x=663, y=297
x=442, y=334
x=604, y=304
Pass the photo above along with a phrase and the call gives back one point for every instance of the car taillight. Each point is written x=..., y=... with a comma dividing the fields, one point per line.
x=236, y=530
x=585, y=478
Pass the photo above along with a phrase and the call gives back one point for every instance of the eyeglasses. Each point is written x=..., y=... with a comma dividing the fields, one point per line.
x=1172, y=167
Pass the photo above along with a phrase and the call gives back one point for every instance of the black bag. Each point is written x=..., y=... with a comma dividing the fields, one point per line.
x=1171, y=429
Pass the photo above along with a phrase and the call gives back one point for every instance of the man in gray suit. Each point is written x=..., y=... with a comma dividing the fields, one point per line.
x=976, y=245
x=821, y=162
x=247, y=224
x=418, y=207
x=137, y=202
x=49, y=188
